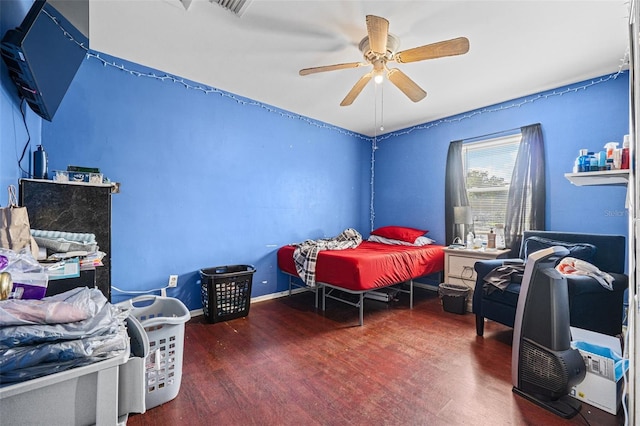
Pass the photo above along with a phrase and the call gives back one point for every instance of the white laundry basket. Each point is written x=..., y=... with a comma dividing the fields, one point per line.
x=163, y=319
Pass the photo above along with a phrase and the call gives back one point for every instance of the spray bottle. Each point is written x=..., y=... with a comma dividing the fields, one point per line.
x=610, y=149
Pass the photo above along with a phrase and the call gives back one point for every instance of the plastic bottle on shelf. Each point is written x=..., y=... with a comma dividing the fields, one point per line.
x=624, y=163
x=610, y=148
x=617, y=159
x=593, y=162
x=470, y=240
x=583, y=161
x=602, y=160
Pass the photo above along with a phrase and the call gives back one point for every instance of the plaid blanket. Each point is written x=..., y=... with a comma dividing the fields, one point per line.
x=305, y=255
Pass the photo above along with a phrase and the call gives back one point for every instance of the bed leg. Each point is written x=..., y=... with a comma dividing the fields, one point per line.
x=290, y=278
x=361, y=309
x=317, y=294
x=410, y=294
x=324, y=297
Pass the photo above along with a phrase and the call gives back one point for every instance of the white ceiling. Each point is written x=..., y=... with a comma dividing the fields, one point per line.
x=517, y=48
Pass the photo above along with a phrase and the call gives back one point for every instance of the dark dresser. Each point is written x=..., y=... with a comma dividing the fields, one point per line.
x=73, y=207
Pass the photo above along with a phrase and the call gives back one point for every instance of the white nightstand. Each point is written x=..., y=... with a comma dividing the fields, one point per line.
x=458, y=267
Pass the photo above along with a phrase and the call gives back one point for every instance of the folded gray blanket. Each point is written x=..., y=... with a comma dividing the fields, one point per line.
x=62, y=242
x=501, y=277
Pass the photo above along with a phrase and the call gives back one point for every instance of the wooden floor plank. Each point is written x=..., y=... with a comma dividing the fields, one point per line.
x=287, y=363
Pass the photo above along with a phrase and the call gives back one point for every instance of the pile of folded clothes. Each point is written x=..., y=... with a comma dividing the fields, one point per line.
x=56, y=333
x=64, y=245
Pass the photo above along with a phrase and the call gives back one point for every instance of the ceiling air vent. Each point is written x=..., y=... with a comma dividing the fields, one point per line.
x=236, y=6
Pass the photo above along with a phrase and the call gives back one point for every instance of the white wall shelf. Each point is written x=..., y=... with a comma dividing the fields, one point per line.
x=607, y=177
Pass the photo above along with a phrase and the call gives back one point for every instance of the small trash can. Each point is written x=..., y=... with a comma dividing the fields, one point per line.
x=454, y=297
x=226, y=292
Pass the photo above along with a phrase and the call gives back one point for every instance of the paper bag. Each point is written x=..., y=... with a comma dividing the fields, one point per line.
x=15, y=232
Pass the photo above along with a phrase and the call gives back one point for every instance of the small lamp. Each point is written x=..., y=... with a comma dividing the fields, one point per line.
x=462, y=215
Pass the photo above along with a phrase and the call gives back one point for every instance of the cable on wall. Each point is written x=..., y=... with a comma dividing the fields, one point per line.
x=28, y=142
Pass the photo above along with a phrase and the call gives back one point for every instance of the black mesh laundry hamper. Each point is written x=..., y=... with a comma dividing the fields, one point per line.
x=226, y=291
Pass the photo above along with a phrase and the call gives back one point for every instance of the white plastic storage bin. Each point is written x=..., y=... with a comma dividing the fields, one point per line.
x=163, y=319
x=80, y=396
x=102, y=393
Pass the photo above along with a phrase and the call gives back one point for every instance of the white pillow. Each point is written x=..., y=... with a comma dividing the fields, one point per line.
x=420, y=241
x=423, y=241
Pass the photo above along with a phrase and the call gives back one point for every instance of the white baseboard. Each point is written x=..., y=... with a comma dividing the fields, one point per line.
x=271, y=296
x=196, y=312
x=276, y=295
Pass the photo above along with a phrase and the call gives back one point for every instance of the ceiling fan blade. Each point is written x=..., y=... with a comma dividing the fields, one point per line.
x=356, y=89
x=456, y=46
x=307, y=71
x=406, y=85
x=378, y=30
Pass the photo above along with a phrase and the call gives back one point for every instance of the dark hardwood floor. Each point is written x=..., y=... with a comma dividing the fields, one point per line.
x=286, y=364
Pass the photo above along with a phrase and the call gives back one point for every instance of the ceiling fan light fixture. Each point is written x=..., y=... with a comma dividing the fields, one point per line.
x=378, y=70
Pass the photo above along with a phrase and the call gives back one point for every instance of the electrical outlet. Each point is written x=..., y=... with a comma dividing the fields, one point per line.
x=173, y=281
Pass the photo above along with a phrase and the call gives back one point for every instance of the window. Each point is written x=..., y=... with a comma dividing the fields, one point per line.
x=488, y=166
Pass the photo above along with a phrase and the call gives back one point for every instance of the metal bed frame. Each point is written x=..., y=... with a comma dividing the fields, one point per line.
x=328, y=291
x=361, y=293
x=303, y=286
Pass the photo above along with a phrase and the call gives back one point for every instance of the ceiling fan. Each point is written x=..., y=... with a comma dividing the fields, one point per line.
x=379, y=47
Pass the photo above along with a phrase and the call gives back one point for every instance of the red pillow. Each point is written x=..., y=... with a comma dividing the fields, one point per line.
x=401, y=233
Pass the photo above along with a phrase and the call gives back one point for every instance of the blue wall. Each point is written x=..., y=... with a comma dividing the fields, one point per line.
x=215, y=180
x=206, y=179
x=410, y=165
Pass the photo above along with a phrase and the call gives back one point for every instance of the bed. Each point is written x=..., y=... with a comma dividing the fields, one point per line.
x=370, y=266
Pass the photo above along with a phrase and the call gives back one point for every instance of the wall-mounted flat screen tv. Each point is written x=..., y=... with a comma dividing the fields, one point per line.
x=44, y=53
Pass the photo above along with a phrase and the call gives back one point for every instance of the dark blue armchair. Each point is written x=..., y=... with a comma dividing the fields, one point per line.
x=591, y=306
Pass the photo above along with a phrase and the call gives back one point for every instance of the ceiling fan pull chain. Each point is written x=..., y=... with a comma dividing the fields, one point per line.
x=375, y=108
x=381, y=108
x=375, y=112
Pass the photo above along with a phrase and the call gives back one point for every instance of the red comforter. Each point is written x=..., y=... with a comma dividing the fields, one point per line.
x=370, y=265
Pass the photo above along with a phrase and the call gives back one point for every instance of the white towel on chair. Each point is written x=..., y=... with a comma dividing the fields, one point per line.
x=573, y=266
